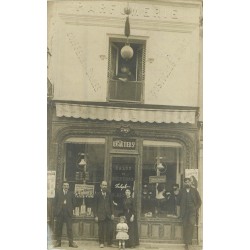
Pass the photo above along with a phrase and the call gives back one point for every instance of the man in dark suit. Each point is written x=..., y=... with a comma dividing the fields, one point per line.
x=64, y=204
x=104, y=214
x=190, y=202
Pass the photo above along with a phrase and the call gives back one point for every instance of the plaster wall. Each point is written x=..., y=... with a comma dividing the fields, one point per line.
x=78, y=40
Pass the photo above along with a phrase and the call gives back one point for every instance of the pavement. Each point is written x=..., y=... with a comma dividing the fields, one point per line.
x=93, y=245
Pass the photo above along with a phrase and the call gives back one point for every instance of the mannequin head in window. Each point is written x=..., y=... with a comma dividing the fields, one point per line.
x=160, y=191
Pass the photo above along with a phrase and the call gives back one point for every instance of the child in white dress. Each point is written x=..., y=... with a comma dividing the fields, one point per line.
x=122, y=232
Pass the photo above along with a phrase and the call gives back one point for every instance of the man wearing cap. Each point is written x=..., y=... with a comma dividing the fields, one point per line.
x=64, y=204
x=190, y=202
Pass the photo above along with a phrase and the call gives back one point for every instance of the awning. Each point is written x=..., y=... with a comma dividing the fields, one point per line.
x=125, y=114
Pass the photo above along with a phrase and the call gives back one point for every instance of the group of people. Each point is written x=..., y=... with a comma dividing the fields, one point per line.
x=126, y=228
x=188, y=199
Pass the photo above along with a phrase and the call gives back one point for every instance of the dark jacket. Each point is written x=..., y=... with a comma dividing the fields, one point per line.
x=59, y=201
x=103, y=207
x=183, y=200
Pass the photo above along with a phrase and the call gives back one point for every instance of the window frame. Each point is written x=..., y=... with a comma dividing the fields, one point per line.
x=140, y=84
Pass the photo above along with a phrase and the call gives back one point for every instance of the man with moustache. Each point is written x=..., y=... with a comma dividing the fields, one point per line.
x=64, y=204
x=104, y=214
x=190, y=202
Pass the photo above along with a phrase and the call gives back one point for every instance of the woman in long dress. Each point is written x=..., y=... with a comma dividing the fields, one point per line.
x=130, y=214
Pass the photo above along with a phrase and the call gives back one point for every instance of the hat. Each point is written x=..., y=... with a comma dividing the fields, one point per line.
x=186, y=179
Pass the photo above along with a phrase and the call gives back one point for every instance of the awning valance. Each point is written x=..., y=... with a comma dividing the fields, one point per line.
x=125, y=114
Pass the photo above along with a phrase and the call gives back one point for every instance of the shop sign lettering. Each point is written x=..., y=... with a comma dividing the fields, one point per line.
x=121, y=186
x=121, y=143
x=157, y=179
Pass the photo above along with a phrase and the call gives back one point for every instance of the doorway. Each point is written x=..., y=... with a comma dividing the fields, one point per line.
x=123, y=176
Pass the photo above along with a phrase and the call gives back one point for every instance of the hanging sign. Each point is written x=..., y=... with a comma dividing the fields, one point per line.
x=124, y=143
x=51, y=184
x=84, y=190
x=157, y=179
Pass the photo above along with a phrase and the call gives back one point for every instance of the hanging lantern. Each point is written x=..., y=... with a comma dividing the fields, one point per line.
x=81, y=161
x=127, y=52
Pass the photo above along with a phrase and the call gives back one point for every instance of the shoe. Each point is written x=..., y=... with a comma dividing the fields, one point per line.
x=73, y=245
x=58, y=244
x=101, y=245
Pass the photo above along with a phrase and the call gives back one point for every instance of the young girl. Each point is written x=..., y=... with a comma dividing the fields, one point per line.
x=122, y=232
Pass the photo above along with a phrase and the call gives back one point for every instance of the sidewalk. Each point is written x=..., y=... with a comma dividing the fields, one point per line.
x=90, y=245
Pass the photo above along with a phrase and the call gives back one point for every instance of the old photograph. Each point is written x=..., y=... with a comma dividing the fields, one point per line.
x=125, y=124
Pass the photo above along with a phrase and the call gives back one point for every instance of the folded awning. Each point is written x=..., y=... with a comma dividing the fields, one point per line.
x=125, y=113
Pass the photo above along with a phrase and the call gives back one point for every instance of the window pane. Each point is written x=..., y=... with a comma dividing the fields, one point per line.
x=123, y=176
x=127, y=91
x=159, y=163
x=125, y=77
x=94, y=168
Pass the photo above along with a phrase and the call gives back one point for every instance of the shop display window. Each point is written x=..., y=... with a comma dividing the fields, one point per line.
x=85, y=171
x=161, y=169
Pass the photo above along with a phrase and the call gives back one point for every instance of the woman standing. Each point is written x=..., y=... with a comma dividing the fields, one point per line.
x=130, y=214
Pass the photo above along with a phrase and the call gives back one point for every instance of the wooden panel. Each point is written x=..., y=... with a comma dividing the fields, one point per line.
x=95, y=229
x=195, y=234
x=167, y=232
x=144, y=230
x=177, y=232
x=75, y=228
x=86, y=228
x=155, y=231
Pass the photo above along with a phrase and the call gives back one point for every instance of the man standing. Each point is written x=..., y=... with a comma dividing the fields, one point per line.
x=104, y=214
x=190, y=202
x=64, y=203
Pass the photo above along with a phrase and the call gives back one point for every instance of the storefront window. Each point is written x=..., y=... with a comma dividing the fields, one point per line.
x=85, y=171
x=161, y=170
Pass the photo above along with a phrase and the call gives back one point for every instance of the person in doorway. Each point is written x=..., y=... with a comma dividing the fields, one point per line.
x=130, y=215
x=104, y=214
x=190, y=202
x=125, y=74
x=64, y=204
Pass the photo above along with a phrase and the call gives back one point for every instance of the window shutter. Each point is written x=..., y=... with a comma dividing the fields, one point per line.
x=113, y=61
x=140, y=54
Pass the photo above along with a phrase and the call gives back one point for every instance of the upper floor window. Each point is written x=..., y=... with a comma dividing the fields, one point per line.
x=126, y=77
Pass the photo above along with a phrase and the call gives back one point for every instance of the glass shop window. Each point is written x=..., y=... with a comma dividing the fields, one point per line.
x=161, y=173
x=123, y=176
x=126, y=76
x=85, y=171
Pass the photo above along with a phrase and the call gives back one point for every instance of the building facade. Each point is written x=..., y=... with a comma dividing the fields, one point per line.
x=142, y=131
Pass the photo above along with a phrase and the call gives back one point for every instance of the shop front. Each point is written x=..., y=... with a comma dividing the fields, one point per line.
x=146, y=155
